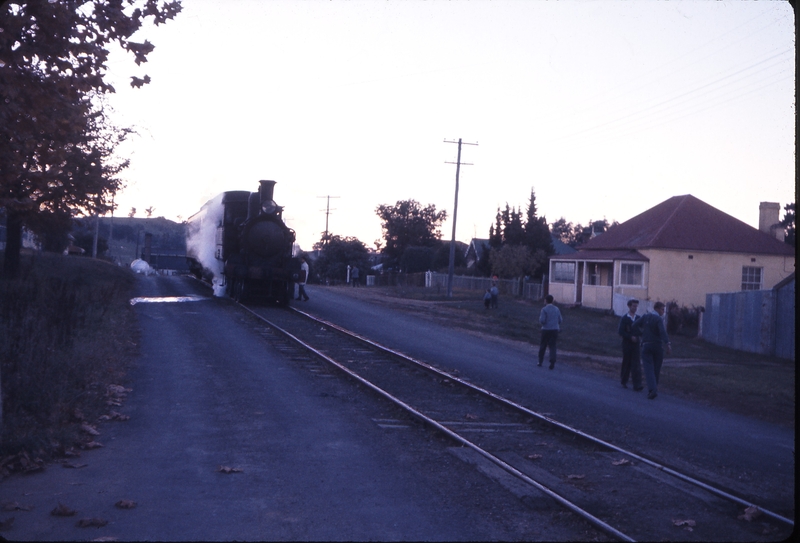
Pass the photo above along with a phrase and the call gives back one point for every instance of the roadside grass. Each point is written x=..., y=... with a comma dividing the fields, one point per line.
x=67, y=332
x=741, y=382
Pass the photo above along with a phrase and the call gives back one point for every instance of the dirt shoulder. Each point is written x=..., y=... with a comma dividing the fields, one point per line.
x=743, y=383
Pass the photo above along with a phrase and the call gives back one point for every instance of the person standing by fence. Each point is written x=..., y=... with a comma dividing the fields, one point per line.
x=654, y=338
x=550, y=319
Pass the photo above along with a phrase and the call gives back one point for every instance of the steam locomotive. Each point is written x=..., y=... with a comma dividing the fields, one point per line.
x=239, y=242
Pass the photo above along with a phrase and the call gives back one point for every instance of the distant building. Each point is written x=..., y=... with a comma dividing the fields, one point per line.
x=475, y=251
x=561, y=248
x=679, y=250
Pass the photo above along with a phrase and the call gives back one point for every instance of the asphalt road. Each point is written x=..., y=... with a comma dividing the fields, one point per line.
x=317, y=457
x=744, y=455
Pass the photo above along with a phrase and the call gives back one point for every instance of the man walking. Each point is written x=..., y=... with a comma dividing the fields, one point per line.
x=550, y=319
x=654, y=337
x=631, y=365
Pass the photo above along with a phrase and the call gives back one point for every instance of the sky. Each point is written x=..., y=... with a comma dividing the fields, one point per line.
x=603, y=108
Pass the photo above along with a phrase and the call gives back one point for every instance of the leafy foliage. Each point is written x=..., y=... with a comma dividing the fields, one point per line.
x=516, y=261
x=336, y=253
x=519, y=248
x=56, y=156
x=577, y=234
x=408, y=224
x=788, y=223
x=564, y=231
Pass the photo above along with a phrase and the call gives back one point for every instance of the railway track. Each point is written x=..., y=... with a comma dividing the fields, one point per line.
x=623, y=494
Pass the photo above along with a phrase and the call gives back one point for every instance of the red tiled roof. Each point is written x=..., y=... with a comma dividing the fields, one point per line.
x=687, y=223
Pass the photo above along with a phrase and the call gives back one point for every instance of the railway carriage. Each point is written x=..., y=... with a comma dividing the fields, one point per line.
x=240, y=242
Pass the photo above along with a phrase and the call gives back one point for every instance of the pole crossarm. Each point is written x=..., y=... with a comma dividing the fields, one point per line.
x=327, y=211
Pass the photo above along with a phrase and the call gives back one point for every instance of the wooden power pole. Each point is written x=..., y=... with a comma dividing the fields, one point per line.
x=451, y=267
x=327, y=213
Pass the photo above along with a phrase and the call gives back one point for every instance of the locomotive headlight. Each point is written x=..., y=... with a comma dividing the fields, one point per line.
x=269, y=207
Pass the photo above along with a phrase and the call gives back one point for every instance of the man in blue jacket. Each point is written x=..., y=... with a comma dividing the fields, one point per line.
x=550, y=319
x=654, y=338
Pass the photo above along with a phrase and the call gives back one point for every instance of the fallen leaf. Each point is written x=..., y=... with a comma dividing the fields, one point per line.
x=89, y=522
x=92, y=445
x=226, y=469
x=687, y=522
x=125, y=504
x=6, y=524
x=75, y=466
x=89, y=429
x=118, y=390
x=113, y=415
x=534, y=456
x=576, y=476
x=471, y=416
x=62, y=511
x=71, y=452
x=622, y=462
x=751, y=513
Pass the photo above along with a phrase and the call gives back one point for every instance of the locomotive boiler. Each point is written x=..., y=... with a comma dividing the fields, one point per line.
x=239, y=242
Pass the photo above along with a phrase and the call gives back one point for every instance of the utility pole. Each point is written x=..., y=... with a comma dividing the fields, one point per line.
x=111, y=226
x=327, y=213
x=451, y=267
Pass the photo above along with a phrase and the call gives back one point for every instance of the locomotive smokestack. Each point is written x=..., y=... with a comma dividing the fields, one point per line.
x=265, y=191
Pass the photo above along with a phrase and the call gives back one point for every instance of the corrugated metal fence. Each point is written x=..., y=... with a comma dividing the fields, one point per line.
x=758, y=321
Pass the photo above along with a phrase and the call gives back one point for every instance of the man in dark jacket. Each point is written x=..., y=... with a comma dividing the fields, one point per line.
x=550, y=319
x=631, y=365
x=654, y=337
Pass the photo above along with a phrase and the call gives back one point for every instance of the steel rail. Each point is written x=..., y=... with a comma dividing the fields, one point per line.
x=427, y=420
x=523, y=409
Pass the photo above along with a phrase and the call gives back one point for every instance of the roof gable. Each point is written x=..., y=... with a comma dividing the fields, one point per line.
x=478, y=246
x=687, y=223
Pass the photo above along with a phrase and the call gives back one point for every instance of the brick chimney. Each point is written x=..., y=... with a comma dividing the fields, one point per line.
x=769, y=219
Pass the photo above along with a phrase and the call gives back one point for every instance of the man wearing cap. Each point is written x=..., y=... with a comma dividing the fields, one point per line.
x=654, y=337
x=631, y=365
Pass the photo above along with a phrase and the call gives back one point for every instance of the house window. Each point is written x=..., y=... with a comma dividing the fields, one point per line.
x=563, y=272
x=631, y=274
x=751, y=278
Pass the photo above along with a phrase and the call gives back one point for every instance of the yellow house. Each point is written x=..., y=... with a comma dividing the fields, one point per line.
x=679, y=250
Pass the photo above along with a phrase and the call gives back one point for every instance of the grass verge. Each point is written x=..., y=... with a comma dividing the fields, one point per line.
x=67, y=335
